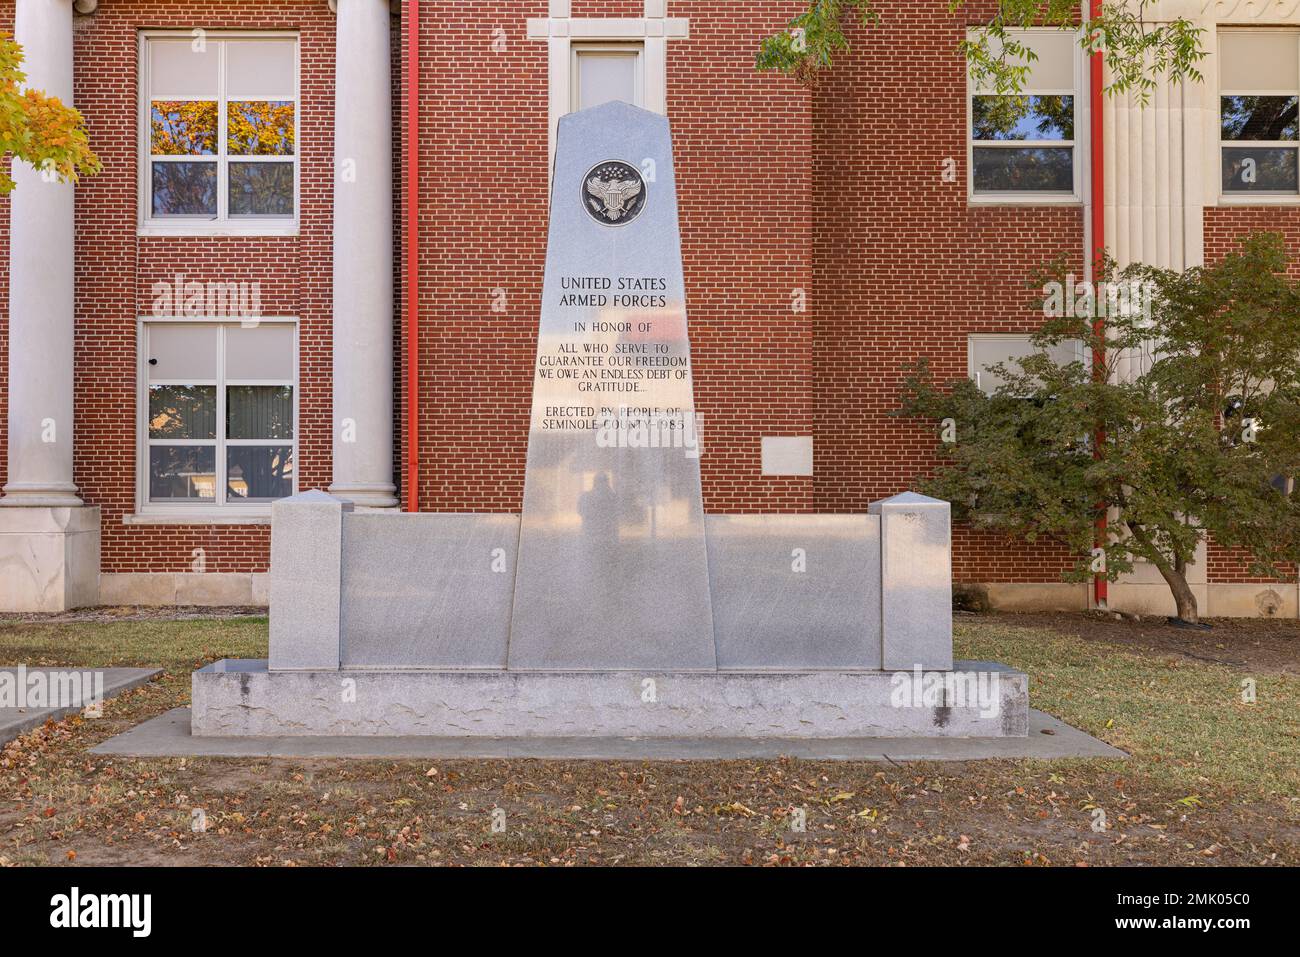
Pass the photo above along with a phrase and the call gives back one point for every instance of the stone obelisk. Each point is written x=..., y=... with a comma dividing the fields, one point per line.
x=612, y=571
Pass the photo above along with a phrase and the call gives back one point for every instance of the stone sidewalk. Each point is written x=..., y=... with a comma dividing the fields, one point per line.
x=15, y=721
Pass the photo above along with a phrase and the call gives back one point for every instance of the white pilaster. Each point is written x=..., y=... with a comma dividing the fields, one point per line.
x=363, y=256
x=49, y=539
x=41, y=286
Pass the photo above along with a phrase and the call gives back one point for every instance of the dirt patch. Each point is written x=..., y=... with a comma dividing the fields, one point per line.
x=556, y=813
x=1256, y=645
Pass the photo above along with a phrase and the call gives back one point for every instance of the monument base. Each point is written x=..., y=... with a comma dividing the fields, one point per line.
x=237, y=697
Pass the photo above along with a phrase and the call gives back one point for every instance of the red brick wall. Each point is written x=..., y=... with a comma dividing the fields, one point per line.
x=483, y=181
x=748, y=138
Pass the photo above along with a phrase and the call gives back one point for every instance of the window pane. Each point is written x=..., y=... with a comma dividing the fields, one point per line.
x=1259, y=169
x=184, y=189
x=259, y=412
x=259, y=128
x=1259, y=118
x=1022, y=118
x=1047, y=169
x=260, y=69
x=182, y=351
x=1258, y=61
x=183, y=127
x=259, y=473
x=1057, y=52
x=261, y=189
x=603, y=77
x=263, y=351
x=177, y=68
x=182, y=473
x=182, y=412
x=988, y=350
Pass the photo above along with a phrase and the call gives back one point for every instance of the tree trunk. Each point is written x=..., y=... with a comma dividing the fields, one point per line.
x=1176, y=577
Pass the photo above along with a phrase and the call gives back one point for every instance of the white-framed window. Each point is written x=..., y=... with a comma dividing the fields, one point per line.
x=603, y=72
x=218, y=132
x=1259, y=137
x=218, y=415
x=987, y=349
x=1026, y=147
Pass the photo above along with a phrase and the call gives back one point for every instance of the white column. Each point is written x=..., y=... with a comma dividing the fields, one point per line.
x=363, y=256
x=41, y=286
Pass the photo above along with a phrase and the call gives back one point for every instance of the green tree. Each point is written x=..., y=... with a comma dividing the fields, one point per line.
x=37, y=128
x=1203, y=438
x=1137, y=53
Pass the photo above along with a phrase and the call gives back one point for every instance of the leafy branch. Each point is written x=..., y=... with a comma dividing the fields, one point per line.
x=39, y=129
x=1136, y=53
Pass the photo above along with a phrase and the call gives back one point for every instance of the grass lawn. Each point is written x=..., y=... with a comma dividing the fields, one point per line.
x=1212, y=779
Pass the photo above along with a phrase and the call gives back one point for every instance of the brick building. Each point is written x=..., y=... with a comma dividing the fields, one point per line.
x=297, y=270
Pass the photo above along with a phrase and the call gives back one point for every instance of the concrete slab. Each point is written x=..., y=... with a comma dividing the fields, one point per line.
x=168, y=735
x=16, y=721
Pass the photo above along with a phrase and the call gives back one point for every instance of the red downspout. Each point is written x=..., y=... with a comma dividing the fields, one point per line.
x=412, y=120
x=1098, y=195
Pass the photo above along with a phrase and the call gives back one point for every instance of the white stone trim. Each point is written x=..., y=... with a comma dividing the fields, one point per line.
x=1244, y=11
x=787, y=455
x=207, y=589
x=196, y=518
x=559, y=30
x=611, y=28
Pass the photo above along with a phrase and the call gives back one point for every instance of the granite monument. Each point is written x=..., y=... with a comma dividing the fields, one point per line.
x=613, y=606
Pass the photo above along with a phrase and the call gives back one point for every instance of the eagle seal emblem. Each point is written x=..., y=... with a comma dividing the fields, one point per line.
x=613, y=193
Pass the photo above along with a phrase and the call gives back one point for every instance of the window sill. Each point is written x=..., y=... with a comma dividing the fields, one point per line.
x=197, y=518
x=998, y=199
x=1260, y=200
x=211, y=232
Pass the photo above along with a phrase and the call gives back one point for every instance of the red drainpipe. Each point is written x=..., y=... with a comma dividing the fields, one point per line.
x=1100, y=584
x=412, y=120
